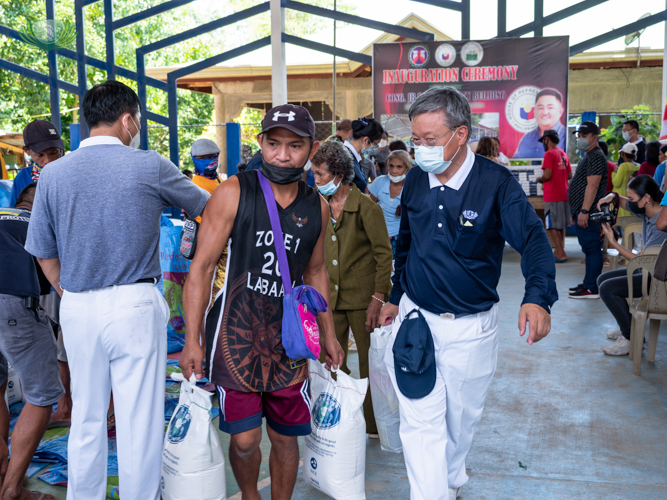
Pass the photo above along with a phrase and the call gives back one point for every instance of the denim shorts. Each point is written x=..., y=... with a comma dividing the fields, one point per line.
x=28, y=343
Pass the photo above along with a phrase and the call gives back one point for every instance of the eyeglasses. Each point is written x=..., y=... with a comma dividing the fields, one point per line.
x=428, y=143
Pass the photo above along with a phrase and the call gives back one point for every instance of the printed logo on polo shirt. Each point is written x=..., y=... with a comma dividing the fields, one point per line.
x=445, y=55
x=466, y=218
x=299, y=221
x=326, y=412
x=418, y=56
x=179, y=425
x=520, y=109
x=472, y=54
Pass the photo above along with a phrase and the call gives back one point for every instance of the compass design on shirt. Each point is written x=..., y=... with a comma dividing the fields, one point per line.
x=252, y=340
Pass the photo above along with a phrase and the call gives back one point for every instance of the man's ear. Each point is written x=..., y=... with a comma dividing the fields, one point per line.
x=313, y=149
x=259, y=140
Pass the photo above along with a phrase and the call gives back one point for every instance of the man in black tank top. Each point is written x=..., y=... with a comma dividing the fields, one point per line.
x=234, y=284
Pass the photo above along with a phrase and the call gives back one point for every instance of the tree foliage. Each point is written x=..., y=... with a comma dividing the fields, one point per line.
x=613, y=135
x=24, y=99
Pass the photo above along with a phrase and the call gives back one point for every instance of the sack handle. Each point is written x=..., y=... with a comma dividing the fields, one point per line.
x=278, y=240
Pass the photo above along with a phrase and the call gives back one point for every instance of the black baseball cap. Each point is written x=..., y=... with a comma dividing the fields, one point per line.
x=414, y=357
x=551, y=134
x=587, y=128
x=294, y=118
x=40, y=135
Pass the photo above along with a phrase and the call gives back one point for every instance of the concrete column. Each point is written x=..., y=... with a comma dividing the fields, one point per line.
x=278, y=66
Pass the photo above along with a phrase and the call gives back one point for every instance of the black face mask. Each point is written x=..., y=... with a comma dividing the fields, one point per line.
x=634, y=207
x=281, y=175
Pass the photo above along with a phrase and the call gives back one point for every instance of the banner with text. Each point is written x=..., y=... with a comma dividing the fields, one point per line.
x=517, y=87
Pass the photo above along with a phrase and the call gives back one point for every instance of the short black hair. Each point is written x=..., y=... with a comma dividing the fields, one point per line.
x=653, y=153
x=397, y=146
x=187, y=172
x=106, y=102
x=27, y=193
x=663, y=149
x=604, y=147
x=552, y=92
x=633, y=124
x=241, y=166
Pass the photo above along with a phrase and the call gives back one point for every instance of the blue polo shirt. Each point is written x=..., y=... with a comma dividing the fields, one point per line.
x=380, y=189
x=530, y=147
x=450, y=244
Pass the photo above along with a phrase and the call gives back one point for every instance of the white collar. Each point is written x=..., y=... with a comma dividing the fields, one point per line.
x=352, y=150
x=100, y=140
x=459, y=177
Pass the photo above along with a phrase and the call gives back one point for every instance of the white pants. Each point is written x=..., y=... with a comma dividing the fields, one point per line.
x=116, y=340
x=437, y=430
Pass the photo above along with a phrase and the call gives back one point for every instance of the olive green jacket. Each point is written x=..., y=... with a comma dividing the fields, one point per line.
x=358, y=253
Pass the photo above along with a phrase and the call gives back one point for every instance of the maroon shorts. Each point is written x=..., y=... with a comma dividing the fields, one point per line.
x=287, y=410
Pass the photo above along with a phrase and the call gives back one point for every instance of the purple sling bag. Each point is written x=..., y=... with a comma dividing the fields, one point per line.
x=300, y=334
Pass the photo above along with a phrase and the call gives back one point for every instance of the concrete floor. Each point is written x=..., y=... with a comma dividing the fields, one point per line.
x=579, y=420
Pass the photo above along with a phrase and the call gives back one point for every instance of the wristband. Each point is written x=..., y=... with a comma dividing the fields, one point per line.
x=379, y=300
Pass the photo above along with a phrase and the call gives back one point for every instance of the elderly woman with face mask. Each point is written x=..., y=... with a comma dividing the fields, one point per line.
x=386, y=191
x=358, y=257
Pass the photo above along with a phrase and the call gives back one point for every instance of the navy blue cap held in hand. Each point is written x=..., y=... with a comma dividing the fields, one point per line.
x=414, y=357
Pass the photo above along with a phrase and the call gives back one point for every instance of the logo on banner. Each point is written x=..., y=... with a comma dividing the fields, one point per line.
x=520, y=109
x=418, y=56
x=472, y=54
x=445, y=55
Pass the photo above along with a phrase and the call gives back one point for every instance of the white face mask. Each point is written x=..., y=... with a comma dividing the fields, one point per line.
x=626, y=135
x=396, y=178
x=136, y=140
x=383, y=144
x=431, y=159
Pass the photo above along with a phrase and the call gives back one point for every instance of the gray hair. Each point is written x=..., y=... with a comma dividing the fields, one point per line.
x=337, y=158
x=401, y=155
x=452, y=103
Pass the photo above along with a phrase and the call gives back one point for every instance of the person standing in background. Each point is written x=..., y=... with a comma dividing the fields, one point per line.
x=659, y=175
x=502, y=159
x=378, y=155
x=366, y=133
x=611, y=166
x=587, y=187
x=487, y=148
x=631, y=135
x=112, y=315
x=42, y=142
x=343, y=130
x=386, y=191
x=27, y=343
x=358, y=259
x=649, y=166
x=624, y=173
x=205, y=154
x=555, y=179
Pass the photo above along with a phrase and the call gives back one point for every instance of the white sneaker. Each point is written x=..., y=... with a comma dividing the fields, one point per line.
x=619, y=348
x=614, y=334
x=455, y=492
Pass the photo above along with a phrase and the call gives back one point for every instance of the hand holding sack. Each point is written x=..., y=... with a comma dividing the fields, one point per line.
x=334, y=454
x=193, y=465
x=385, y=401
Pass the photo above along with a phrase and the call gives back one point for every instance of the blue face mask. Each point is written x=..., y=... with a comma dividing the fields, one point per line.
x=329, y=188
x=431, y=159
x=206, y=168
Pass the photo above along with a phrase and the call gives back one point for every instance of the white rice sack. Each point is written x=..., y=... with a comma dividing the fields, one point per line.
x=385, y=402
x=193, y=465
x=334, y=455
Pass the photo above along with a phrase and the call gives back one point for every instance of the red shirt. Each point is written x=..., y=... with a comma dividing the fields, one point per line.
x=610, y=185
x=555, y=189
x=647, y=168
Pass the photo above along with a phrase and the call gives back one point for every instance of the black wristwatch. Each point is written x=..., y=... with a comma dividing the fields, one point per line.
x=584, y=211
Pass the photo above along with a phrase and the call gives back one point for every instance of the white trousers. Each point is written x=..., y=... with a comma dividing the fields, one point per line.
x=116, y=341
x=437, y=430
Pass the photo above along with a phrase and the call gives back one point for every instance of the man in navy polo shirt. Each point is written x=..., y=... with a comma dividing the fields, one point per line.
x=457, y=211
